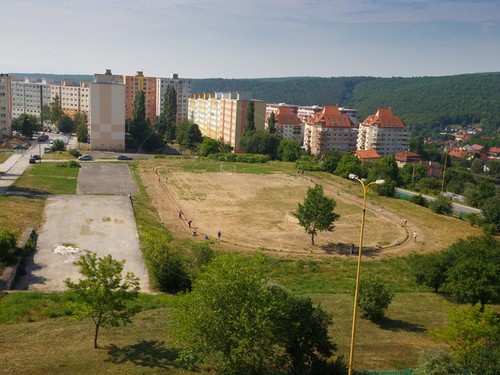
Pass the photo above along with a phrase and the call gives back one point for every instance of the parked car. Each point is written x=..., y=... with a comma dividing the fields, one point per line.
x=36, y=157
x=123, y=157
x=32, y=161
x=85, y=157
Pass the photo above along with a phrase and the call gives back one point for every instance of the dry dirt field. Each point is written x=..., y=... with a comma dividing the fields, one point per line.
x=255, y=211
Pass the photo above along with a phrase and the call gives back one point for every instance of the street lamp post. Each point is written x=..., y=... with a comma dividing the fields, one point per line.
x=358, y=272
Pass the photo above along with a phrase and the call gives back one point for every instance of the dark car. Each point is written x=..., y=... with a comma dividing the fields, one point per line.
x=85, y=157
x=32, y=160
x=123, y=157
x=36, y=157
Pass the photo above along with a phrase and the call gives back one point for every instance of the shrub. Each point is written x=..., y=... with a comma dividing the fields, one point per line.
x=418, y=199
x=436, y=362
x=240, y=158
x=308, y=163
x=58, y=145
x=441, y=205
x=374, y=298
x=75, y=153
x=69, y=164
x=7, y=246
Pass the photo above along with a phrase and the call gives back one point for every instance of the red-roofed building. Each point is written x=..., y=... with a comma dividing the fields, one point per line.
x=477, y=147
x=494, y=152
x=383, y=132
x=405, y=157
x=459, y=153
x=367, y=155
x=288, y=125
x=330, y=130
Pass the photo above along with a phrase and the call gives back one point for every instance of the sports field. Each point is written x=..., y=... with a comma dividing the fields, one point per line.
x=252, y=206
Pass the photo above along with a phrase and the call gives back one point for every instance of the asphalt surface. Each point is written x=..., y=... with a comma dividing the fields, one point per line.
x=105, y=178
x=102, y=224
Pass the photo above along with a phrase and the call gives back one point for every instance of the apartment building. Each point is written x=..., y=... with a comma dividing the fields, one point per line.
x=330, y=130
x=222, y=115
x=182, y=88
x=288, y=125
x=73, y=99
x=137, y=83
x=107, y=112
x=5, y=105
x=29, y=96
x=383, y=132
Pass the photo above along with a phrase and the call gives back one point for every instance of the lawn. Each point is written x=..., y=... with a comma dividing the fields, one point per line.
x=58, y=155
x=4, y=156
x=19, y=213
x=47, y=178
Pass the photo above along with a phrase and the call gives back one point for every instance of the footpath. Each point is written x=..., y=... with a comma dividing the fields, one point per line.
x=14, y=167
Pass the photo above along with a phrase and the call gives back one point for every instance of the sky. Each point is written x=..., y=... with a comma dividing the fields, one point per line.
x=251, y=38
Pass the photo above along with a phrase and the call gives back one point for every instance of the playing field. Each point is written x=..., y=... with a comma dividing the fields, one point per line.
x=254, y=210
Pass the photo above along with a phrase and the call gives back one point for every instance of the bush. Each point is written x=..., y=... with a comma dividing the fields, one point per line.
x=58, y=145
x=75, y=153
x=7, y=246
x=69, y=164
x=308, y=163
x=240, y=158
x=436, y=362
x=418, y=199
x=374, y=298
x=441, y=205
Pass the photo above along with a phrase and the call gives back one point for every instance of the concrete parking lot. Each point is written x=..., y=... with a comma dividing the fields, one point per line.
x=105, y=178
x=102, y=224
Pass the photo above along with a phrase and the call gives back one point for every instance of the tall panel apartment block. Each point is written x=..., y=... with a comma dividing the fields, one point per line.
x=182, y=88
x=5, y=105
x=107, y=113
x=136, y=83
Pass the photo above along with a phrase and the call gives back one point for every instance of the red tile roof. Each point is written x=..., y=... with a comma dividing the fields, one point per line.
x=367, y=154
x=284, y=116
x=477, y=147
x=495, y=150
x=406, y=156
x=459, y=153
x=385, y=119
x=330, y=116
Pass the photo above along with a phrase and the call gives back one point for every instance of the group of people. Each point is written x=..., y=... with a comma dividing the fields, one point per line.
x=195, y=233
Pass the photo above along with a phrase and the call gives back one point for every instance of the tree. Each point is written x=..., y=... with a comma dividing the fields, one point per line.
x=166, y=122
x=137, y=126
x=55, y=111
x=436, y=362
x=477, y=194
x=374, y=298
x=470, y=328
x=429, y=270
x=26, y=124
x=243, y=324
x=386, y=169
x=316, y=213
x=189, y=134
x=348, y=164
x=213, y=146
x=82, y=132
x=67, y=124
x=271, y=124
x=288, y=150
x=58, y=145
x=418, y=199
x=260, y=142
x=441, y=205
x=45, y=114
x=7, y=246
x=250, y=117
x=491, y=211
x=103, y=292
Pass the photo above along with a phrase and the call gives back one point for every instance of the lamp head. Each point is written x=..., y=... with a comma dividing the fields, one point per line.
x=352, y=176
x=379, y=181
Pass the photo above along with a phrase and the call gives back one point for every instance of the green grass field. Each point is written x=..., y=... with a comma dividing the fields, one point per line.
x=4, y=156
x=47, y=178
x=58, y=155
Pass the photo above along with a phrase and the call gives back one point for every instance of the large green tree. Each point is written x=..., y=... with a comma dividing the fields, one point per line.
x=82, y=130
x=260, y=142
x=374, y=298
x=166, y=122
x=137, y=125
x=67, y=124
x=26, y=124
x=386, y=169
x=349, y=164
x=55, y=112
x=102, y=294
x=189, y=134
x=238, y=321
x=250, y=117
x=289, y=150
x=271, y=123
x=316, y=214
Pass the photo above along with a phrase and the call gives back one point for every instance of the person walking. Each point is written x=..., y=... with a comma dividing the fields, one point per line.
x=180, y=214
x=219, y=234
x=189, y=223
x=414, y=236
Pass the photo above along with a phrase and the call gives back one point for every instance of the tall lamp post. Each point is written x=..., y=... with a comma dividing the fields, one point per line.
x=358, y=272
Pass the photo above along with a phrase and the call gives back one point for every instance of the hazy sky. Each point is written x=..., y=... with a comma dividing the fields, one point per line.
x=251, y=38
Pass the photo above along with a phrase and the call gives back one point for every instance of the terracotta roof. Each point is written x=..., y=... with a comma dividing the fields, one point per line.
x=330, y=116
x=385, y=119
x=459, y=153
x=407, y=155
x=477, y=147
x=367, y=154
x=495, y=150
x=284, y=116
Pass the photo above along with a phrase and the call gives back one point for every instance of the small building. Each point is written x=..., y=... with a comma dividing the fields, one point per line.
x=460, y=153
x=288, y=125
x=407, y=157
x=368, y=156
x=494, y=152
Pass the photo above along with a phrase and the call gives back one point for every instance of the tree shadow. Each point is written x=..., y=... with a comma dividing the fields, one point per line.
x=350, y=248
x=400, y=325
x=145, y=353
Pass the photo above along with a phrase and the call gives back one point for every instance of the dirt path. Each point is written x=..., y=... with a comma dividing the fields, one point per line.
x=198, y=196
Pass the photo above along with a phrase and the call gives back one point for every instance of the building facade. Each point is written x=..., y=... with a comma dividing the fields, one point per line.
x=383, y=132
x=137, y=83
x=222, y=115
x=107, y=113
x=288, y=125
x=330, y=130
x=182, y=88
x=29, y=96
x=5, y=105
x=73, y=99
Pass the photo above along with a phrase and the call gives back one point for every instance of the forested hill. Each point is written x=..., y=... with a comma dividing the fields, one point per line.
x=424, y=103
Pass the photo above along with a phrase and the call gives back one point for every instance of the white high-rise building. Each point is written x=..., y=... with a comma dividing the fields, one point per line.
x=29, y=96
x=5, y=105
x=73, y=99
x=182, y=88
x=383, y=132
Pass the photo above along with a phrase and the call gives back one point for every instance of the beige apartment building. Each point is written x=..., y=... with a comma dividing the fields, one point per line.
x=5, y=105
x=182, y=88
x=383, y=132
x=73, y=99
x=288, y=124
x=29, y=96
x=222, y=115
x=107, y=112
x=330, y=130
